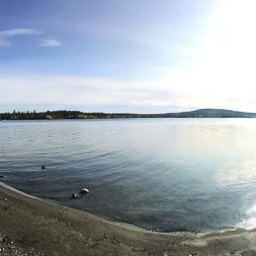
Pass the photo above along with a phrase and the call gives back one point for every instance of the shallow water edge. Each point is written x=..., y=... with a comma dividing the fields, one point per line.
x=123, y=224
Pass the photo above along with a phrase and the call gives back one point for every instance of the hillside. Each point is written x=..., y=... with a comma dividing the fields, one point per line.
x=212, y=113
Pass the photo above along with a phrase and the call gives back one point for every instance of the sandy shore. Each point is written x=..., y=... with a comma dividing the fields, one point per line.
x=30, y=226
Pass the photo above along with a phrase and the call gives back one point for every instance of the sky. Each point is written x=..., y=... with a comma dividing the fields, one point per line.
x=129, y=56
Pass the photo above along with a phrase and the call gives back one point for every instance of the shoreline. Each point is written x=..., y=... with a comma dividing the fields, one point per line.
x=33, y=226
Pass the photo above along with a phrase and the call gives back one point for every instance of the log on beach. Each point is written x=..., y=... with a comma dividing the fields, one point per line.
x=31, y=226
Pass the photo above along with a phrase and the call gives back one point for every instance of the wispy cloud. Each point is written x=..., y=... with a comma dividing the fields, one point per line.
x=19, y=31
x=152, y=102
x=6, y=35
x=50, y=42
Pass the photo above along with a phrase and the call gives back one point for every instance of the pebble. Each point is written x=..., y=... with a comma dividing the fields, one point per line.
x=9, y=247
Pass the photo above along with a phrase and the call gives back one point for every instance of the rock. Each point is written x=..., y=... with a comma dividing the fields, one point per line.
x=75, y=196
x=84, y=191
x=1, y=176
x=81, y=193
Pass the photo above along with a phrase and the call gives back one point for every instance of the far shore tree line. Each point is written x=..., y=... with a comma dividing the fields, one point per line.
x=65, y=114
x=61, y=114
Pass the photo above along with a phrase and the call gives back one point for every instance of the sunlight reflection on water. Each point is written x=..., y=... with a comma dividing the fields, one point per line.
x=237, y=174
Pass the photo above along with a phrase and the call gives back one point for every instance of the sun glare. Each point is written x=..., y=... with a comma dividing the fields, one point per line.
x=225, y=67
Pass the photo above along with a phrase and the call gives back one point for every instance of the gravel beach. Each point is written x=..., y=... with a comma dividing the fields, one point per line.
x=31, y=226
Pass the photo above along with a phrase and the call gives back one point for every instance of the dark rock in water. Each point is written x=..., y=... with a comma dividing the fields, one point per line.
x=1, y=176
x=43, y=167
x=84, y=191
x=75, y=196
x=81, y=193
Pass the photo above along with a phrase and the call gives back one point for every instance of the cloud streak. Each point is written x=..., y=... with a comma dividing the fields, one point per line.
x=152, y=103
x=6, y=35
x=19, y=32
x=50, y=42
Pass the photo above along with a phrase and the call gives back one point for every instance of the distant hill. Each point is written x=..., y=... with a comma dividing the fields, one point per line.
x=212, y=113
x=64, y=114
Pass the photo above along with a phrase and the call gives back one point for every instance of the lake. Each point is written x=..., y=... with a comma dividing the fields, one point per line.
x=160, y=174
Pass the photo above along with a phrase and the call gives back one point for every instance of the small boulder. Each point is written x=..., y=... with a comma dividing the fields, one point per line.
x=75, y=196
x=84, y=191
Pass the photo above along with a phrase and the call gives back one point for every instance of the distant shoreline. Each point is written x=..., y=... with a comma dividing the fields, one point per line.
x=65, y=114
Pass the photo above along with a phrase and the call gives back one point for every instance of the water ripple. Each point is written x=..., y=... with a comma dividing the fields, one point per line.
x=164, y=174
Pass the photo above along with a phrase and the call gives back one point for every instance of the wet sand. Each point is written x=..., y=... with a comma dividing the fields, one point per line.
x=31, y=226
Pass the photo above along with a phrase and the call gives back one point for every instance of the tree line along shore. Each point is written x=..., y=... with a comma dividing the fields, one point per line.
x=60, y=114
x=66, y=114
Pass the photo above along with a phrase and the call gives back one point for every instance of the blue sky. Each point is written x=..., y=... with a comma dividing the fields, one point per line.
x=142, y=56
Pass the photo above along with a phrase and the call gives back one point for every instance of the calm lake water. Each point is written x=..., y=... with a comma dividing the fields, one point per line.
x=161, y=174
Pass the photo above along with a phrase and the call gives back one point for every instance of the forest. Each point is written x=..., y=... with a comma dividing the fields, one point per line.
x=61, y=114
